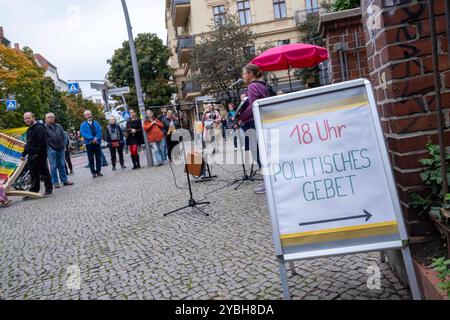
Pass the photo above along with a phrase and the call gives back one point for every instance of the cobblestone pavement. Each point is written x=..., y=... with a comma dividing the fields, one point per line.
x=113, y=230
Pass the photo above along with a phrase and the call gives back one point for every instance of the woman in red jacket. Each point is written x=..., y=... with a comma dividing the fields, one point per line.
x=154, y=129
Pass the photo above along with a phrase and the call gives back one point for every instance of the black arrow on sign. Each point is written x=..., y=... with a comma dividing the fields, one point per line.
x=366, y=215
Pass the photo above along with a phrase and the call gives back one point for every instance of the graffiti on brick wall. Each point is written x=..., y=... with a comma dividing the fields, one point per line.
x=410, y=50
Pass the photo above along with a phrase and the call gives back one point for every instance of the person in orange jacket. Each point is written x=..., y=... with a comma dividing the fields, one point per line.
x=154, y=129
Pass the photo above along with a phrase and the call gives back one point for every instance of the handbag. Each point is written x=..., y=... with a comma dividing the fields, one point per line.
x=115, y=144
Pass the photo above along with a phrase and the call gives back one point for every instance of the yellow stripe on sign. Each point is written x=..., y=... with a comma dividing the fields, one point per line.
x=329, y=235
x=319, y=108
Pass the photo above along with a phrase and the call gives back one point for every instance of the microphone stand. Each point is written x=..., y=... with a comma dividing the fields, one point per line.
x=192, y=202
x=208, y=168
x=245, y=177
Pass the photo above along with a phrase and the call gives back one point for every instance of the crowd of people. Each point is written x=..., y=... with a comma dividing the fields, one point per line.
x=47, y=144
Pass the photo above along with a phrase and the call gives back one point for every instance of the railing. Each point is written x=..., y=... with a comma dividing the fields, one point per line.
x=179, y=2
x=301, y=15
x=176, y=3
x=191, y=86
x=184, y=43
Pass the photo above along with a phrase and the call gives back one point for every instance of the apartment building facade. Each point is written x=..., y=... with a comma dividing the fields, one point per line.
x=274, y=22
x=52, y=72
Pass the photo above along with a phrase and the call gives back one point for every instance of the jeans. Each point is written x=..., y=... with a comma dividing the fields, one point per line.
x=104, y=161
x=94, y=152
x=165, y=148
x=57, y=159
x=158, y=147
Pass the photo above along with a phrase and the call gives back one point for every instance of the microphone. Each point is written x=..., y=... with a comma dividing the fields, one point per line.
x=237, y=83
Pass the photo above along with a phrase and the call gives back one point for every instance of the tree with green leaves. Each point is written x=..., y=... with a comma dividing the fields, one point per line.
x=23, y=79
x=76, y=106
x=310, y=35
x=220, y=55
x=156, y=75
x=340, y=5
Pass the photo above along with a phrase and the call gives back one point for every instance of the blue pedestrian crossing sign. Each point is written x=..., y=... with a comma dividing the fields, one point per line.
x=11, y=105
x=74, y=88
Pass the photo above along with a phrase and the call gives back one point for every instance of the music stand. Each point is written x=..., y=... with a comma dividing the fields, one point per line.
x=192, y=202
x=245, y=176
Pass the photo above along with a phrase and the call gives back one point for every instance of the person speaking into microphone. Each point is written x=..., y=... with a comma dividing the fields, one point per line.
x=257, y=89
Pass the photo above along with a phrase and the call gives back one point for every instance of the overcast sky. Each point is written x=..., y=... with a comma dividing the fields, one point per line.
x=78, y=36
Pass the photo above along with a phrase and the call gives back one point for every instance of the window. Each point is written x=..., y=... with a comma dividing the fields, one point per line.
x=244, y=12
x=312, y=6
x=283, y=42
x=279, y=7
x=219, y=14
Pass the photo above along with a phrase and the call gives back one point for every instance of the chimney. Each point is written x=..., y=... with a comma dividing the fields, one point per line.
x=1, y=32
x=17, y=47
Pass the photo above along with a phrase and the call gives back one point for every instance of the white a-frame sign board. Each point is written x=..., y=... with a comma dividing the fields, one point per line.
x=329, y=182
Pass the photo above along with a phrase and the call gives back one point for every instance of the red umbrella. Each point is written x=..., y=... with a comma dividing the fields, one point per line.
x=296, y=55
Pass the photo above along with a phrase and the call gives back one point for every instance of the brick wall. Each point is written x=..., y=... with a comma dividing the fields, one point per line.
x=345, y=41
x=400, y=65
x=397, y=58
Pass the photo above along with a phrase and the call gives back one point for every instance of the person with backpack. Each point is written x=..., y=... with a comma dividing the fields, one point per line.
x=155, y=135
x=114, y=138
x=257, y=89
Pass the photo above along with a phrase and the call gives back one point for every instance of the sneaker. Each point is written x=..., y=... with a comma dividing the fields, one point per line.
x=123, y=167
x=99, y=175
x=48, y=194
x=94, y=176
x=114, y=169
x=68, y=183
x=260, y=189
x=56, y=186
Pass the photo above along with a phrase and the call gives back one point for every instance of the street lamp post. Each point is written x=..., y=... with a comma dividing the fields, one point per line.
x=137, y=79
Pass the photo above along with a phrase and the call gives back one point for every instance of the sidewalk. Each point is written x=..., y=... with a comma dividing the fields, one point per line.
x=113, y=230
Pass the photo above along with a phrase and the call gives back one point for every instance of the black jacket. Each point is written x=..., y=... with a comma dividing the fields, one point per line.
x=135, y=138
x=166, y=124
x=36, y=140
x=56, y=135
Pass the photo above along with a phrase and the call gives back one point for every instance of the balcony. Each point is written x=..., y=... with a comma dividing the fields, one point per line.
x=191, y=90
x=301, y=16
x=184, y=49
x=180, y=12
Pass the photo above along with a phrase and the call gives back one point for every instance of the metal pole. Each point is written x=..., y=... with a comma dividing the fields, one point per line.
x=137, y=79
x=437, y=85
x=290, y=80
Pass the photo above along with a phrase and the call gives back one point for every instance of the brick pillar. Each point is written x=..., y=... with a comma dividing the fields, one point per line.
x=345, y=41
x=400, y=68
